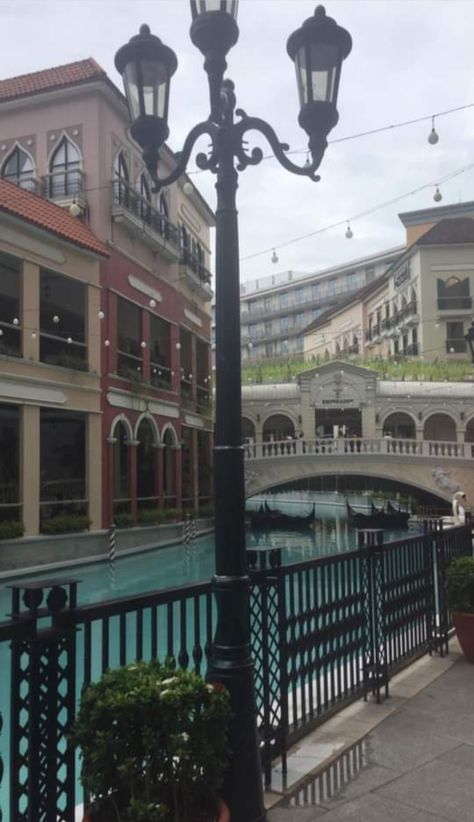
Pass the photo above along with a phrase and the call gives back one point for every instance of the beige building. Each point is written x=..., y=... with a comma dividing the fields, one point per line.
x=422, y=306
x=50, y=416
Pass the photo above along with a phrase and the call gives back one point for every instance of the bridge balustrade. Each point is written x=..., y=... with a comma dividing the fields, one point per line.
x=387, y=446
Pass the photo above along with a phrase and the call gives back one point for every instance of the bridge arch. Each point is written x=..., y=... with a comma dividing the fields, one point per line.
x=278, y=427
x=399, y=424
x=440, y=426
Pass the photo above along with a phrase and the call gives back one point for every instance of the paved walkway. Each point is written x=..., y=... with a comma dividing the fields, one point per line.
x=416, y=765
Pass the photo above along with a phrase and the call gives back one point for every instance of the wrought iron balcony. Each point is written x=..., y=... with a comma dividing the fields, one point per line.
x=454, y=303
x=456, y=346
x=198, y=274
x=65, y=186
x=138, y=216
x=27, y=184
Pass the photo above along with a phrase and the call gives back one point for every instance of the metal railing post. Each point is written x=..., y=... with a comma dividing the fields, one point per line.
x=43, y=672
x=375, y=671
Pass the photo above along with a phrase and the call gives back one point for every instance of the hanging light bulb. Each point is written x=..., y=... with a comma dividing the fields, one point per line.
x=178, y=346
x=101, y=315
x=437, y=196
x=433, y=136
x=33, y=335
x=349, y=232
x=274, y=257
x=69, y=340
x=437, y=324
x=16, y=321
x=75, y=209
x=107, y=343
x=55, y=319
x=143, y=344
x=190, y=376
x=152, y=303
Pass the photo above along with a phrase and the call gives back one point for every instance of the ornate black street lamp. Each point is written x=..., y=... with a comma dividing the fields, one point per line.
x=318, y=49
x=469, y=337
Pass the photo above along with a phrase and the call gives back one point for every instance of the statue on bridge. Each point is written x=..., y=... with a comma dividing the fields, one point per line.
x=459, y=512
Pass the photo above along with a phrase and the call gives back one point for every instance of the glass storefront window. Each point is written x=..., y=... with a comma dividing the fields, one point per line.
x=62, y=463
x=62, y=321
x=160, y=353
x=10, y=289
x=10, y=508
x=129, y=352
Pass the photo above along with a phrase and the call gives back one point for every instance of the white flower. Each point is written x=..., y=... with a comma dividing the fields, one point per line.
x=184, y=736
x=169, y=681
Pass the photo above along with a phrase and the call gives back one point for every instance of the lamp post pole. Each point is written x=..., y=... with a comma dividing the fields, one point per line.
x=318, y=49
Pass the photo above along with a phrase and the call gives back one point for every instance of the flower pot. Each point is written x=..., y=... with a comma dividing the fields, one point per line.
x=464, y=625
x=109, y=816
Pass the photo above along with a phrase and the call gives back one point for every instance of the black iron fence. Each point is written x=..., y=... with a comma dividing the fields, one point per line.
x=324, y=632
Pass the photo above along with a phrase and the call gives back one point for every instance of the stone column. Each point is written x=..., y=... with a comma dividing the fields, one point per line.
x=30, y=468
x=30, y=319
x=132, y=475
x=368, y=422
x=94, y=469
x=110, y=484
x=178, y=476
x=159, y=490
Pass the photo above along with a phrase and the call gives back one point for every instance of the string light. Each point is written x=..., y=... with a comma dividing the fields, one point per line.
x=178, y=346
x=361, y=214
x=143, y=344
x=349, y=233
x=433, y=136
x=16, y=321
x=101, y=315
x=107, y=343
x=274, y=257
x=437, y=196
x=55, y=319
x=152, y=303
x=69, y=340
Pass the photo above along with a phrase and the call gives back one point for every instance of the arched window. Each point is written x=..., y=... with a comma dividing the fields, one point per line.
x=400, y=426
x=454, y=294
x=146, y=456
x=65, y=170
x=121, y=489
x=120, y=182
x=18, y=169
x=440, y=427
x=278, y=427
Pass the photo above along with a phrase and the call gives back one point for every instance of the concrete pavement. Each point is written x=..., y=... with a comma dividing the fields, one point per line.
x=415, y=763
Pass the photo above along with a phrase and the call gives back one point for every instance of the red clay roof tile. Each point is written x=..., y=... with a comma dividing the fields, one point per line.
x=58, y=77
x=49, y=217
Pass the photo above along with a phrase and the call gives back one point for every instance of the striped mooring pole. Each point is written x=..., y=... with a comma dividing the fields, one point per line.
x=112, y=555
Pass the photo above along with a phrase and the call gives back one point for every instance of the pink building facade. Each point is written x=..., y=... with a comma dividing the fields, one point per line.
x=64, y=135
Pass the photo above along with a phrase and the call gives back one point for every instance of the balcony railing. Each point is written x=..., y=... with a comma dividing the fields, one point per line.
x=192, y=261
x=27, y=184
x=125, y=195
x=454, y=303
x=455, y=346
x=345, y=446
x=63, y=184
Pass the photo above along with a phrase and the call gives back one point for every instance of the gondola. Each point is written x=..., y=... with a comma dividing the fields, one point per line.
x=268, y=518
x=378, y=518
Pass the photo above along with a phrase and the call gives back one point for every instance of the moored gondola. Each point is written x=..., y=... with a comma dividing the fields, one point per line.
x=378, y=518
x=266, y=517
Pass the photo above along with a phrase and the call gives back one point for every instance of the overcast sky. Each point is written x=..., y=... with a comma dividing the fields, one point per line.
x=410, y=58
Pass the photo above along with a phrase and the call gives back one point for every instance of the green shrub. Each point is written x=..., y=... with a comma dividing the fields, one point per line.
x=206, y=512
x=124, y=520
x=172, y=515
x=154, y=743
x=150, y=516
x=11, y=530
x=460, y=585
x=65, y=524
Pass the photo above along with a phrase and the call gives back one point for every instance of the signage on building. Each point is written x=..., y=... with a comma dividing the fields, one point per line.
x=401, y=275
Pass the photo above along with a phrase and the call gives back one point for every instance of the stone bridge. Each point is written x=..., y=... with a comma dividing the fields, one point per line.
x=439, y=468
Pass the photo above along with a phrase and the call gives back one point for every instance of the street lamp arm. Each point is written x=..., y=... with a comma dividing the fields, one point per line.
x=183, y=156
x=256, y=124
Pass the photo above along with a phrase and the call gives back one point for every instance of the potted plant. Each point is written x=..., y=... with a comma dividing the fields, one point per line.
x=154, y=746
x=460, y=591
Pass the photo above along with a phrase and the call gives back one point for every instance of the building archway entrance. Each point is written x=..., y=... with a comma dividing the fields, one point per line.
x=399, y=425
x=440, y=427
x=334, y=422
x=278, y=427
